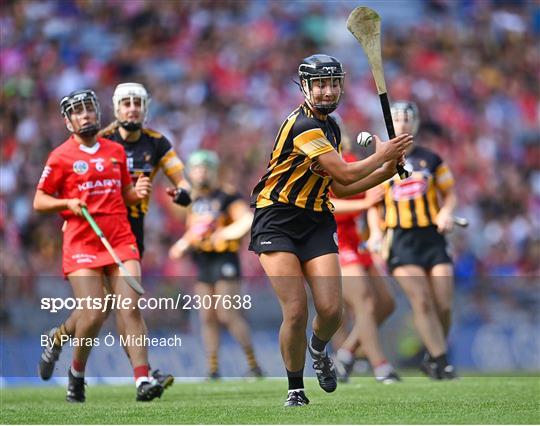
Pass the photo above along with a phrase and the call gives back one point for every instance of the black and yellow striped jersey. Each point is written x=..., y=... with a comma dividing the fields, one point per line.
x=294, y=176
x=207, y=214
x=146, y=155
x=412, y=202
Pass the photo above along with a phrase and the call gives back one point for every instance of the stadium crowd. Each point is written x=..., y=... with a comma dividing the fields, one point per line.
x=219, y=74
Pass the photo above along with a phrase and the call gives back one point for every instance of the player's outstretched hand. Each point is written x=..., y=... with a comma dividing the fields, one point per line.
x=394, y=148
x=143, y=187
x=179, y=248
x=180, y=196
x=76, y=205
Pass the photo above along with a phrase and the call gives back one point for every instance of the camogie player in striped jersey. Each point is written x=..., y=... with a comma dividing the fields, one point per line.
x=294, y=230
x=147, y=151
x=216, y=221
x=416, y=249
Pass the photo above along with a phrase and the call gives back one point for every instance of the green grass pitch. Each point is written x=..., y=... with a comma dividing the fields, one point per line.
x=508, y=400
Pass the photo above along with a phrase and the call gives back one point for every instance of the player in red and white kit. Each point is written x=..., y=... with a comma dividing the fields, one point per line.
x=365, y=292
x=90, y=171
x=146, y=152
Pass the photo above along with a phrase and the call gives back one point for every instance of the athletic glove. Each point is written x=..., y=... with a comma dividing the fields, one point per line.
x=181, y=197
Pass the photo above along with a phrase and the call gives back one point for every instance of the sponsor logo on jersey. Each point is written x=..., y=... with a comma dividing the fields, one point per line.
x=316, y=168
x=103, y=183
x=408, y=189
x=80, y=167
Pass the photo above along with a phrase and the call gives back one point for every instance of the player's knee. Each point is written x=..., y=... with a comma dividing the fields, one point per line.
x=208, y=317
x=386, y=307
x=296, y=319
x=92, y=319
x=445, y=311
x=423, y=304
x=331, y=314
x=369, y=304
x=226, y=317
x=130, y=315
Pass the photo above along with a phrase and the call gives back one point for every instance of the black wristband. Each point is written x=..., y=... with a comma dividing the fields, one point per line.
x=181, y=197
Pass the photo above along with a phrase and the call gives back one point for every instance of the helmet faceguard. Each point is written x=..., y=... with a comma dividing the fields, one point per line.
x=81, y=100
x=409, y=111
x=319, y=67
x=133, y=92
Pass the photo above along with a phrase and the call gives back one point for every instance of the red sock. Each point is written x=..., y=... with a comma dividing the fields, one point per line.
x=384, y=361
x=141, y=372
x=77, y=368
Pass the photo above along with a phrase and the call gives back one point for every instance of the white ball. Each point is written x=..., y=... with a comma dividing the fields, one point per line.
x=364, y=139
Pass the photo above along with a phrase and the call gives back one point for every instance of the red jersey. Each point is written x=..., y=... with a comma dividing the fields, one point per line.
x=348, y=238
x=346, y=222
x=97, y=176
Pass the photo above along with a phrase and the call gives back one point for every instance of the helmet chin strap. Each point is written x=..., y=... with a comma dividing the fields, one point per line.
x=322, y=109
x=88, y=131
x=131, y=126
x=326, y=109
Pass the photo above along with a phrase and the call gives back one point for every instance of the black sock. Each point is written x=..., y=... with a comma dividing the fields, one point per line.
x=440, y=360
x=317, y=343
x=296, y=379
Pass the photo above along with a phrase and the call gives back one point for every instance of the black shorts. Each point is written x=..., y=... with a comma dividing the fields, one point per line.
x=284, y=227
x=137, y=227
x=213, y=267
x=424, y=247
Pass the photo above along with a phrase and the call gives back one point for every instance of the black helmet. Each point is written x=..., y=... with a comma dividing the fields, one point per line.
x=320, y=66
x=84, y=98
x=410, y=110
